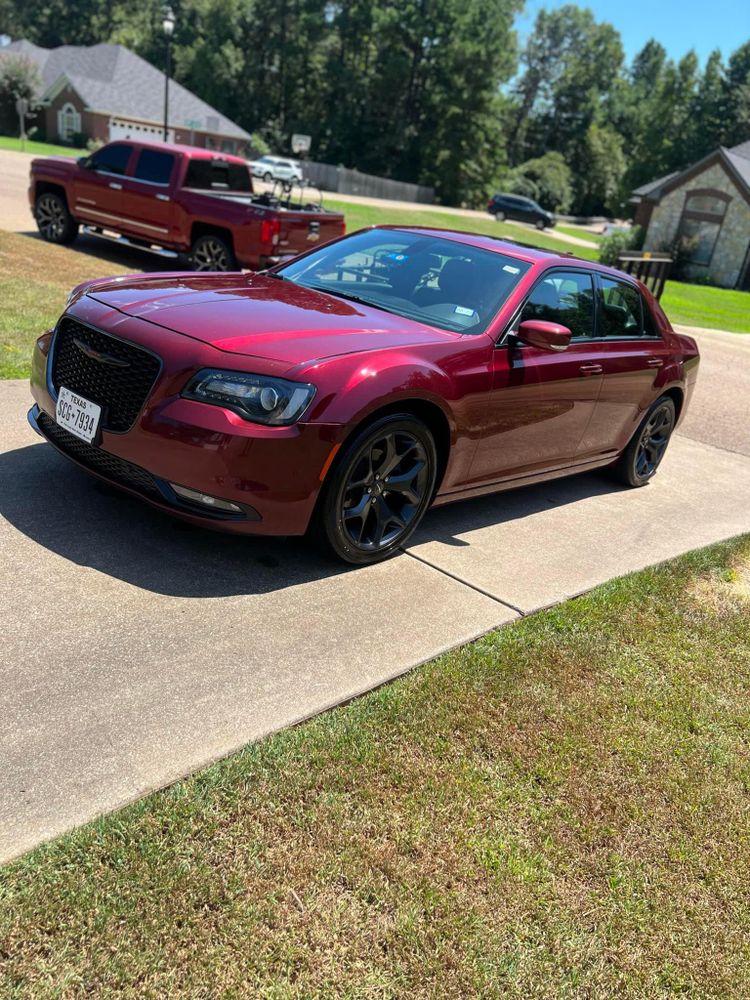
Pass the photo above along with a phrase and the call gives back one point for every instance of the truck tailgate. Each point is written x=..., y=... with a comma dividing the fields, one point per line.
x=301, y=230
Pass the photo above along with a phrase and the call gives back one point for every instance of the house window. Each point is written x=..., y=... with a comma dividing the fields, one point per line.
x=702, y=217
x=68, y=122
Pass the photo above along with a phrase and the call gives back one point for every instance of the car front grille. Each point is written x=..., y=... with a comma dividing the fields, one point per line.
x=117, y=375
x=110, y=466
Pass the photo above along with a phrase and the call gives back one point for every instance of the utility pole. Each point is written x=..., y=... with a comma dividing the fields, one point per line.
x=168, y=22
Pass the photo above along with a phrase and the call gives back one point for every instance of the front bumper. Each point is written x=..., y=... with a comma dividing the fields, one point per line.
x=273, y=473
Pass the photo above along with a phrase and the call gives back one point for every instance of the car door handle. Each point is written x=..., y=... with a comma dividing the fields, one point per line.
x=654, y=362
x=115, y=187
x=162, y=197
x=591, y=369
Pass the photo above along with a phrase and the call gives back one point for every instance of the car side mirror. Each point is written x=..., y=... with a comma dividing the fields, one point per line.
x=84, y=162
x=544, y=335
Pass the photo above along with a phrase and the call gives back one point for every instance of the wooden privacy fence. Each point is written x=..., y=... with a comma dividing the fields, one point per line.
x=650, y=268
x=345, y=181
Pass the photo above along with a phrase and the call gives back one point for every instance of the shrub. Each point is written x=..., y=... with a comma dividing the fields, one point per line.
x=619, y=242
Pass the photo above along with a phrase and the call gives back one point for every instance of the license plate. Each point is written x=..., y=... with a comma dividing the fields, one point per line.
x=78, y=415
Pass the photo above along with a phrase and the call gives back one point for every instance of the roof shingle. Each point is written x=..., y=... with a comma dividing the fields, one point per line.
x=113, y=80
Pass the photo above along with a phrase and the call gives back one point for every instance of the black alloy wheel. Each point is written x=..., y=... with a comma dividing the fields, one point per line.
x=378, y=491
x=212, y=253
x=642, y=457
x=53, y=220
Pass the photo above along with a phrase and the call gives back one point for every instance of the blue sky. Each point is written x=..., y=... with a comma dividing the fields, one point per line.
x=678, y=24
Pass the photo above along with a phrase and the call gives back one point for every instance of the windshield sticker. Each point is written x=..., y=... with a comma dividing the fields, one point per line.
x=463, y=311
x=510, y=269
x=392, y=255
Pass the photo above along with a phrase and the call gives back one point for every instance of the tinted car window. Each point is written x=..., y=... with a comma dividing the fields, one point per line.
x=217, y=175
x=565, y=297
x=621, y=309
x=112, y=159
x=154, y=166
x=434, y=280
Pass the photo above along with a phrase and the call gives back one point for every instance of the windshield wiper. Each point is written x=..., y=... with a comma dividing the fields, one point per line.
x=352, y=298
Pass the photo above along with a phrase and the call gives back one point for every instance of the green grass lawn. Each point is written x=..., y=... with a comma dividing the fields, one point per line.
x=38, y=148
x=35, y=278
x=701, y=305
x=370, y=215
x=583, y=234
x=559, y=810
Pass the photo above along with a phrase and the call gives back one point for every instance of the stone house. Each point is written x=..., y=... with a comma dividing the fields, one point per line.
x=709, y=205
x=107, y=92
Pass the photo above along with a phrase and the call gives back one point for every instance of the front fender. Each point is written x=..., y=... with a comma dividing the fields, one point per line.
x=351, y=388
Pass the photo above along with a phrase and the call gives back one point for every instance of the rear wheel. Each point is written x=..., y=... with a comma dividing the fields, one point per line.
x=642, y=457
x=212, y=253
x=378, y=491
x=53, y=220
x=499, y=216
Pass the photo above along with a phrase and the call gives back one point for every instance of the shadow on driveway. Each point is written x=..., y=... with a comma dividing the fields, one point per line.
x=92, y=524
x=137, y=261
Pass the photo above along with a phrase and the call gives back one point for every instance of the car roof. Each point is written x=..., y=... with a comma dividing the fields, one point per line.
x=191, y=152
x=512, y=248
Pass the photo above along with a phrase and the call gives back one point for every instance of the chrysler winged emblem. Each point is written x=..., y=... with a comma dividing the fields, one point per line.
x=105, y=359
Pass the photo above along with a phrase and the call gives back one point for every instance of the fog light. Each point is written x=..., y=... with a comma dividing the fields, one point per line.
x=194, y=496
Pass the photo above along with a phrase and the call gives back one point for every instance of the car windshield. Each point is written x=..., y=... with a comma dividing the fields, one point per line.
x=417, y=275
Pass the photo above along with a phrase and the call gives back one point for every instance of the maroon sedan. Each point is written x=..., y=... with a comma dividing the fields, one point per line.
x=351, y=388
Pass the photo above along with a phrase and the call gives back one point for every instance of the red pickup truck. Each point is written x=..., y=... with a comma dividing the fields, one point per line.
x=171, y=199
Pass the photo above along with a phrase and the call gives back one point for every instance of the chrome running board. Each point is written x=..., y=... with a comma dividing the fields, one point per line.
x=123, y=241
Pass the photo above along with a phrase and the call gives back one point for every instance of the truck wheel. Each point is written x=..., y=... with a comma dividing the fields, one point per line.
x=212, y=253
x=53, y=220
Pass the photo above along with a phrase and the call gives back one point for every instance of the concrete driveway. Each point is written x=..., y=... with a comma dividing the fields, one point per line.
x=137, y=649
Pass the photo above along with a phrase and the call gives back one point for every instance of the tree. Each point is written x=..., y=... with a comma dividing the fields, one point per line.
x=18, y=78
x=547, y=179
x=601, y=186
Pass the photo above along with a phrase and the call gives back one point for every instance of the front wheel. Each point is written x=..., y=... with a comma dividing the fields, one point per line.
x=53, y=220
x=378, y=490
x=541, y=224
x=267, y=177
x=212, y=253
x=642, y=457
x=499, y=216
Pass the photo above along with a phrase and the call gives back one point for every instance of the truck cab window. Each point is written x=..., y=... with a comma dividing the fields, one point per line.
x=112, y=159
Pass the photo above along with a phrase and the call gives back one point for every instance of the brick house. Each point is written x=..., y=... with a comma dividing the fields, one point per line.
x=708, y=203
x=107, y=92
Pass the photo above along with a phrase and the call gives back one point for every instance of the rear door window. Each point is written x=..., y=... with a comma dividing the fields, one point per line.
x=112, y=159
x=154, y=166
x=217, y=175
x=620, y=315
x=565, y=297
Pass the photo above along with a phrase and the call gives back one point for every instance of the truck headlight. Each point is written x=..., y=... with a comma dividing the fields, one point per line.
x=262, y=399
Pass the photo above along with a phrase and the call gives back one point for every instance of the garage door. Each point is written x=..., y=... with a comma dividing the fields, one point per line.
x=120, y=128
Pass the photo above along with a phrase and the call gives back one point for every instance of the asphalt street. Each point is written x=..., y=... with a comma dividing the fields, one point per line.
x=136, y=649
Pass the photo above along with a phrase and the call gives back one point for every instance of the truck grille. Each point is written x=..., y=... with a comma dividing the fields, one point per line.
x=110, y=466
x=116, y=375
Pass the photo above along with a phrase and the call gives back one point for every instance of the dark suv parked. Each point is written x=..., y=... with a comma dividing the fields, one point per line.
x=514, y=206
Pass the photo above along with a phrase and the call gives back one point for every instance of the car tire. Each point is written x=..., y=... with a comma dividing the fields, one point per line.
x=499, y=216
x=541, y=224
x=212, y=252
x=267, y=177
x=639, y=461
x=53, y=220
x=360, y=517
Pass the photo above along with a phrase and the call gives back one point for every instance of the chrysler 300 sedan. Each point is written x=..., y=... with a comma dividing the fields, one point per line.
x=347, y=390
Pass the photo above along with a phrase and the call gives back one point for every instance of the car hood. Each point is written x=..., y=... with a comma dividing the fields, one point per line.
x=258, y=316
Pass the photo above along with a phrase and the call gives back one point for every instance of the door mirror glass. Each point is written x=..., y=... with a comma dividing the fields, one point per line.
x=543, y=334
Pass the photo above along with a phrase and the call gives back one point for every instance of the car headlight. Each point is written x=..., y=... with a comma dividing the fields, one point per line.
x=262, y=399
